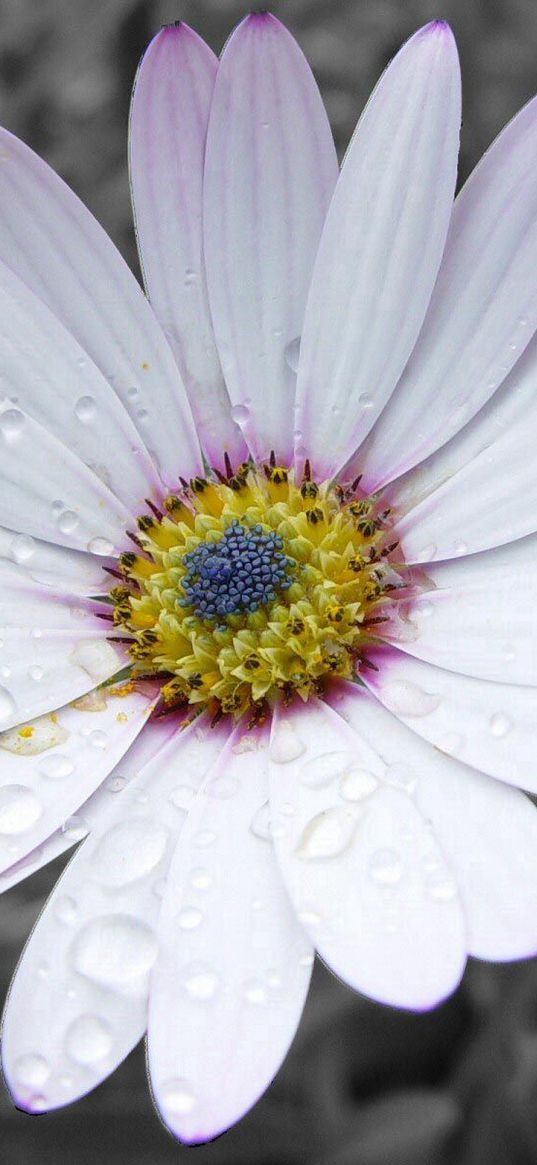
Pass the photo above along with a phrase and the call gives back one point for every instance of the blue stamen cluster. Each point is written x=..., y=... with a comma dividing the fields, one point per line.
x=241, y=572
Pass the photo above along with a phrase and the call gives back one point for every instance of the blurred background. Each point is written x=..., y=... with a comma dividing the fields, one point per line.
x=363, y=1085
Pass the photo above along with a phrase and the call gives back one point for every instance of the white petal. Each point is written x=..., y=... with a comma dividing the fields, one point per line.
x=479, y=619
x=168, y=127
x=491, y=726
x=52, y=566
x=56, y=246
x=64, y=503
x=234, y=965
x=482, y=313
x=51, y=765
x=487, y=831
x=78, y=1002
x=46, y=373
x=479, y=491
x=358, y=861
x=146, y=745
x=269, y=174
x=380, y=250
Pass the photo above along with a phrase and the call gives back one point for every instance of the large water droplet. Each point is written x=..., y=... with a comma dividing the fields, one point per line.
x=190, y=918
x=285, y=744
x=67, y=521
x=116, y=951
x=408, y=699
x=96, y=657
x=240, y=414
x=356, y=783
x=19, y=809
x=321, y=770
x=385, y=867
x=75, y=828
x=56, y=766
x=129, y=851
x=88, y=1040
x=500, y=724
x=22, y=549
x=176, y=1097
x=328, y=834
x=292, y=353
x=85, y=409
x=101, y=546
x=200, y=878
x=11, y=425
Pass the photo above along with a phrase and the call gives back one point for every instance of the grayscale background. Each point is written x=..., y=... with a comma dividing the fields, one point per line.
x=363, y=1085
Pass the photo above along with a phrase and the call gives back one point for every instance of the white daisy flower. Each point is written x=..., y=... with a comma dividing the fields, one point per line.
x=322, y=618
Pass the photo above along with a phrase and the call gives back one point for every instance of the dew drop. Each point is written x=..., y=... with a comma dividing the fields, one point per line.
x=240, y=414
x=35, y=673
x=176, y=1097
x=292, y=354
x=200, y=878
x=402, y=777
x=22, y=549
x=11, y=425
x=427, y=553
x=88, y=1040
x=190, y=918
x=356, y=784
x=98, y=739
x=85, y=409
x=285, y=744
x=66, y=910
x=116, y=784
x=441, y=887
x=322, y=770
x=128, y=851
x=56, y=765
x=19, y=809
x=365, y=401
x=67, y=521
x=385, y=867
x=116, y=951
x=96, y=657
x=500, y=724
x=255, y=991
x=260, y=824
x=75, y=828
x=200, y=982
x=101, y=546
x=408, y=699
x=32, y=1071
x=8, y=707
x=182, y=796
x=223, y=787
x=328, y=834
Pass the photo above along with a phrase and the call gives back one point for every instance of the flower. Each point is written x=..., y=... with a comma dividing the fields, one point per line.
x=321, y=613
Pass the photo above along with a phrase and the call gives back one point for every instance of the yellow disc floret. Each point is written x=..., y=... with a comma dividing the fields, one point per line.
x=254, y=588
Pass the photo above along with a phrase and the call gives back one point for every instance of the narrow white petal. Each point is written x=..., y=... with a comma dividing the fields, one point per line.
x=56, y=246
x=234, y=966
x=51, y=765
x=483, y=309
x=361, y=865
x=145, y=747
x=491, y=726
x=168, y=128
x=380, y=250
x=269, y=174
x=487, y=830
x=479, y=618
x=52, y=566
x=78, y=1002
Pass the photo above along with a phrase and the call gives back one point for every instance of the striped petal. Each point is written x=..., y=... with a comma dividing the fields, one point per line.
x=269, y=173
x=380, y=250
x=168, y=128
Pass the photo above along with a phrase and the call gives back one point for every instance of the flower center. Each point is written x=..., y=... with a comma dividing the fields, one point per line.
x=255, y=587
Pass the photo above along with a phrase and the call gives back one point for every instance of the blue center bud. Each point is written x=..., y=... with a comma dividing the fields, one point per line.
x=240, y=573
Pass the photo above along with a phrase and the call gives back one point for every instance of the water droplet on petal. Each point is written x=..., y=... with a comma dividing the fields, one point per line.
x=67, y=521
x=96, y=657
x=292, y=353
x=85, y=409
x=321, y=770
x=285, y=744
x=128, y=851
x=31, y=1071
x=328, y=834
x=385, y=866
x=408, y=699
x=402, y=777
x=101, y=546
x=440, y=886
x=22, y=549
x=240, y=414
x=200, y=982
x=19, y=809
x=260, y=824
x=35, y=673
x=204, y=838
x=500, y=724
x=8, y=707
x=222, y=787
x=356, y=784
x=255, y=991
x=190, y=918
x=66, y=910
x=75, y=828
x=116, y=951
x=56, y=766
x=88, y=1040
x=182, y=796
x=98, y=739
x=365, y=401
x=11, y=425
x=176, y=1097
x=200, y=878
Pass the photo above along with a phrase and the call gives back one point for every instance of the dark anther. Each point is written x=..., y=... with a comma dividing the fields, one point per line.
x=228, y=465
x=309, y=489
x=154, y=510
x=314, y=516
